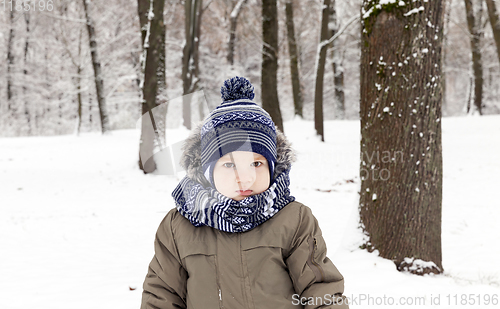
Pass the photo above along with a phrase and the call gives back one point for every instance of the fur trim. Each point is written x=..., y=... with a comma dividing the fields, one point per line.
x=191, y=156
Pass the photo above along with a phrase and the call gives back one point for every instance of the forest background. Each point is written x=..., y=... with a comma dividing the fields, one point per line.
x=49, y=67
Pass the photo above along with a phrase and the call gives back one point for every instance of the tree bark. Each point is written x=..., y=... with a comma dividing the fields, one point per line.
x=79, y=99
x=235, y=13
x=269, y=82
x=444, y=106
x=298, y=102
x=96, y=64
x=401, y=153
x=153, y=88
x=192, y=17
x=474, y=24
x=25, y=72
x=79, y=69
x=10, y=61
x=320, y=71
x=338, y=70
x=495, y=23
x=196, y=47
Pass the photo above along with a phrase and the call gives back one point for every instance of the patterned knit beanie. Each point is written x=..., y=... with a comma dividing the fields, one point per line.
x=237, y=124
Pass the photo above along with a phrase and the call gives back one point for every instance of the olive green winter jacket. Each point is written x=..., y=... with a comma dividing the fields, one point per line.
x=281, y=263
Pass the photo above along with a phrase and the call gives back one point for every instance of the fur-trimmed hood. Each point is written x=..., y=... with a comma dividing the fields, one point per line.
x=191, y=156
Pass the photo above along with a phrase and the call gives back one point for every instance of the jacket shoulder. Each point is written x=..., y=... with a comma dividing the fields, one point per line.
x=183, y=233
x=293, y=212
x=171, y=219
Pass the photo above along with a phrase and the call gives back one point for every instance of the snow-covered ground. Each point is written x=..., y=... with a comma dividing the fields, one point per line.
x=78, y=218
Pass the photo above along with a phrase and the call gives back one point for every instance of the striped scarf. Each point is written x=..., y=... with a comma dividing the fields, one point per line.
x=206, y=206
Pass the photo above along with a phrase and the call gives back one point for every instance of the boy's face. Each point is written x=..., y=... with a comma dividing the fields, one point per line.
x=240, y=174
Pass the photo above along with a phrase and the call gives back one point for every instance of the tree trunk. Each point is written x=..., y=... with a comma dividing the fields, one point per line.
x=192, y=15
x=474, y=24
x=25, y=73
x=10, y=61
x=320, y=70
x=294, y=60
x=338, y=82
x=495, y=23
x=143, y=7
x=99, y=83
x=470, y=95
x=444, y=106
x=79, y=99
x=269, y=81
x=90, y=110
x=401, y=154
x=196, y=47
x=196, y=55
x=235, y=13
x=79, y=68
x=338, y=70
x=153, y=88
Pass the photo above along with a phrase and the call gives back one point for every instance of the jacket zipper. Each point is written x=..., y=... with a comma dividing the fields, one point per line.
x=217, y=275
x=313, y=261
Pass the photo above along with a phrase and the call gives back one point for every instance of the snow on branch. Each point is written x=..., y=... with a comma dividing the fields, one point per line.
x=339, y=33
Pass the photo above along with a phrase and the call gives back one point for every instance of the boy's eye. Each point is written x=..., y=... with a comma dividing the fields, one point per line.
x=256, y=164
x=229, y=165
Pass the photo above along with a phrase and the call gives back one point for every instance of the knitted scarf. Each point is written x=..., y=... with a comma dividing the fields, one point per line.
x=206, y=206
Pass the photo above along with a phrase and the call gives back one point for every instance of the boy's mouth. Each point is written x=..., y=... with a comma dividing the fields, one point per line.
x=244, y=192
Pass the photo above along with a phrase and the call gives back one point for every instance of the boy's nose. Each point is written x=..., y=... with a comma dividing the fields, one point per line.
x=245, y=176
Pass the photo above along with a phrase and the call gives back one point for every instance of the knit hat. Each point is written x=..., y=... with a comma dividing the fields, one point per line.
x=237, y=124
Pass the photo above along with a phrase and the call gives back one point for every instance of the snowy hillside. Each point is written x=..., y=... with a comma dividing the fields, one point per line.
x=78, y=218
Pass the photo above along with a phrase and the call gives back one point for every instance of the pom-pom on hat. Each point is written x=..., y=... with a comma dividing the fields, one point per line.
x=237, y=124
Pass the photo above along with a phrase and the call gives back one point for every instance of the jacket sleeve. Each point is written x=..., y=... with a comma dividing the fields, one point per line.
x=316, y=280
x=165, y=283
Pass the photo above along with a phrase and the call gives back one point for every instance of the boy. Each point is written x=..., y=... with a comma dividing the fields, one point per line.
x=237, y=238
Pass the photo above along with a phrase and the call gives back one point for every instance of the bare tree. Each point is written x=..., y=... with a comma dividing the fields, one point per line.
x=10, y=60
x=98, y=77
x=401, y=155
x=298, y=101
x=79, y=69
x=474, y=26
x=269, y=82
x=495, y=23
x=190, y=66
x=77, y=62
x=235, y=13
x=446, y=28
x=25, y=72
x=153, y=86
x=320, y=70
x=338, y=70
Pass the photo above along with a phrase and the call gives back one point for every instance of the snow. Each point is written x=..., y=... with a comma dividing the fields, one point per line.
x=414, y=11
x=378, y=6
x=367, y=13
x=418, y=264
x=385, y=2
x=79, y=218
